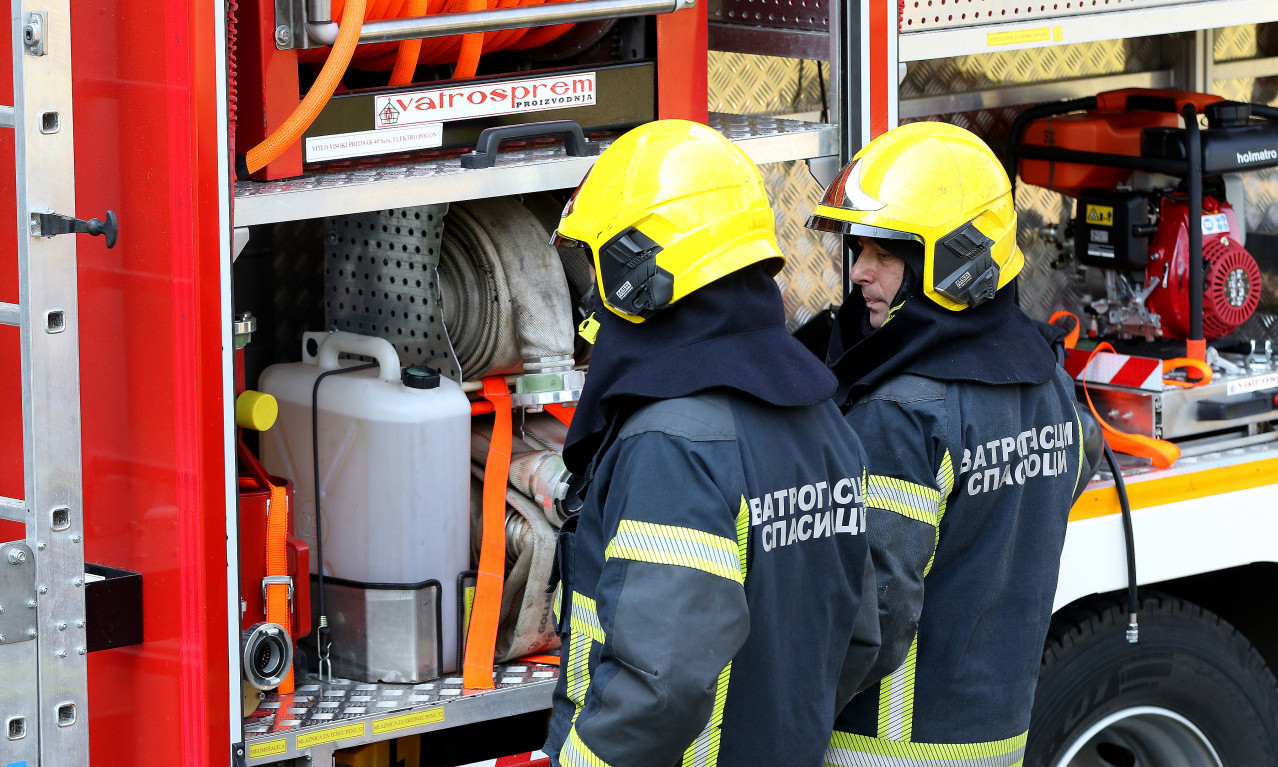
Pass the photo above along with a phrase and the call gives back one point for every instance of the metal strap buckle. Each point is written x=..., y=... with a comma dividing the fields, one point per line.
x=278, y=580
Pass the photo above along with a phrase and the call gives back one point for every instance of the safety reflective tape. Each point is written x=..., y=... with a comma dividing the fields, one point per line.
x=704, y=751
x=669, y=545
x=743, y=536
x=905, y=498
x=850, y=750
x=585, y=617
x=1115, y=369
x=944, y=481
x=577, y=754
x=577, y=672
x=896, y=699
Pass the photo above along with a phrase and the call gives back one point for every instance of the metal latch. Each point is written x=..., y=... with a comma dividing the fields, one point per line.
x=51, y=224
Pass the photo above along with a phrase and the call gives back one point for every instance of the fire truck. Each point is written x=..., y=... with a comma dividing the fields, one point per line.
x=290, y=359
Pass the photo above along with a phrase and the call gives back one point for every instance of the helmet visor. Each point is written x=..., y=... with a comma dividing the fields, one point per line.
x=838, y=226
x=560, y=241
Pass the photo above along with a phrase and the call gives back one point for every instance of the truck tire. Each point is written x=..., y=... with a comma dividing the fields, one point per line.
x=1192, y=692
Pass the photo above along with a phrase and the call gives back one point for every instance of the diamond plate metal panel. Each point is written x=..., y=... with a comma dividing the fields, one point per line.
x=747, y=83
x=380, y=279
x=810, y=280
x=743, y=83
x=962, y=74
x=1245, y=42
x=923, y=15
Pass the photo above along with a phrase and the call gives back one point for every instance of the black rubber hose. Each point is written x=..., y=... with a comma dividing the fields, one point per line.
x=1194, y=154
x=1129, y=540
x=321, y=639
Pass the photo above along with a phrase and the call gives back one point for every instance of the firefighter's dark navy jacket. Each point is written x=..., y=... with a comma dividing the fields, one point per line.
x=980, y=479
x=713, y=589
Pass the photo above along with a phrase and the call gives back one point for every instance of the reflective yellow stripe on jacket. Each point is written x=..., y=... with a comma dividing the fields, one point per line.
x=849, y=750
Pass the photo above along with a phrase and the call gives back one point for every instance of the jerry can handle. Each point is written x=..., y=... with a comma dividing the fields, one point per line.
x=379, y=349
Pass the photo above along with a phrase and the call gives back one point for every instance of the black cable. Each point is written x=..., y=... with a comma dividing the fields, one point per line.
x=1129, y=540
x=825, y=100
x=321, y=643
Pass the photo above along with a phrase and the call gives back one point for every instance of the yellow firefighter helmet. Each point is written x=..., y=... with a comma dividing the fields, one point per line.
x=668, y=208
x=938, y=185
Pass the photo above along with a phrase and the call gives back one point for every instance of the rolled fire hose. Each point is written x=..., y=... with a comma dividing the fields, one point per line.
x=505, y=298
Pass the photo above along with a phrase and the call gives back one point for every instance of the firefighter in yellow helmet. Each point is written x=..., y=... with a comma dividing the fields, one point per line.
x=975, y=453
x=720, y=513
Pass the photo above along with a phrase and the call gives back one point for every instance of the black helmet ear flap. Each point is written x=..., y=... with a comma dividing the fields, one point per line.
x=963, y=270
x=631, y=279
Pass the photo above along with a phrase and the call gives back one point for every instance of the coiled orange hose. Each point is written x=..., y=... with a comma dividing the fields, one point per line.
x=464, y=49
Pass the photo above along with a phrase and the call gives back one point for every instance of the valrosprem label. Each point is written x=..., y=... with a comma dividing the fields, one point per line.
x=484, y=100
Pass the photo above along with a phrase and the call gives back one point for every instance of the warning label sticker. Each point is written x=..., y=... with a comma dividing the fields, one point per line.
x=484, y=100
x=339, y=146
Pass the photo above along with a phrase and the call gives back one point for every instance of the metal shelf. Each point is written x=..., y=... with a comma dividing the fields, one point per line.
x=1084, y=22
x=346, y=713
x=765, y=139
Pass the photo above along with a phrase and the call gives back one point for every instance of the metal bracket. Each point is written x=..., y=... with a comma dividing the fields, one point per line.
x=33, y=33
x=17, y=593
x=51, y=224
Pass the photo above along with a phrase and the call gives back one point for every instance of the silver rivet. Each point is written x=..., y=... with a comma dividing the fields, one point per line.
x=44, y=589
x=42, y=546
x=61, y=653
x=283, y=35
x=1, y=609
x=78, y=582
x=75, y=539
x=17, y=556
x=31, y=633
x=80, y=623
x=62, y=626
x=1, y=637
x=31, y=603
x=82, y=651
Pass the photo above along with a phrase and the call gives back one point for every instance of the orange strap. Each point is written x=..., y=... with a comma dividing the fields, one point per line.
x=545, y=660
x=481, y=639
x=277, y=611
x=1161, y=452
x=1202, y=368
x=564, y=414
x=1071, y=337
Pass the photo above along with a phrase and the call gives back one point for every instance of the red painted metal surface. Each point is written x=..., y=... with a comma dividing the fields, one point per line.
x=681, y=64
x=151, y=387
x=882, y=73
x=267, y=87
x=10, y=362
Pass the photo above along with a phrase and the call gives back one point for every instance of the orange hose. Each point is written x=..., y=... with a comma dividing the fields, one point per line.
x=330, y=75
x=471, y=46
x=439, y=50
x=276, y=565
x=409, y=50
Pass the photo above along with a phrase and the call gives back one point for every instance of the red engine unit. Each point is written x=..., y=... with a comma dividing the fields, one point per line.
x=1231, y=278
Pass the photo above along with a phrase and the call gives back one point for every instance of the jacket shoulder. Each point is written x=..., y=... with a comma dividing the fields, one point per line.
x=699, y=418
x=906, y=388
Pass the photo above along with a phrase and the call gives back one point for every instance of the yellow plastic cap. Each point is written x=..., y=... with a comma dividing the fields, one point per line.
x=256, y=410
